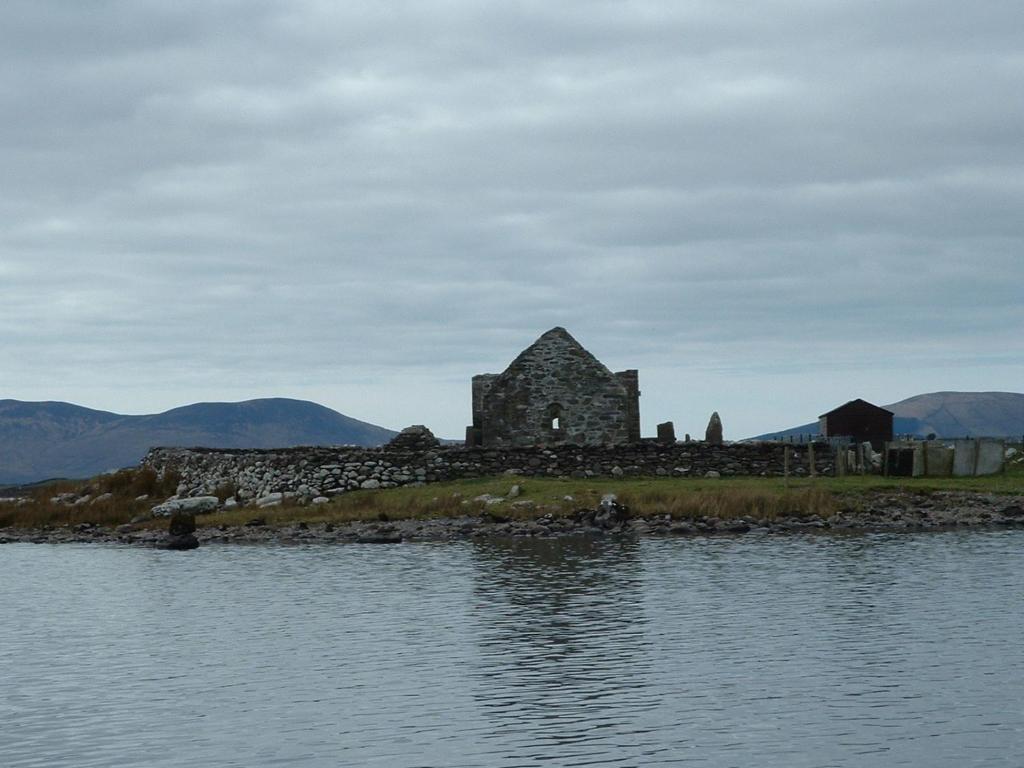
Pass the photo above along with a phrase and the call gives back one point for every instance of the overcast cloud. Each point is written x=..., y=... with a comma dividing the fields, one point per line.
x=767, y=208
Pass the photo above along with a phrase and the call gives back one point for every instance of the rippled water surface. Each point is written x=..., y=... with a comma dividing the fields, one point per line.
x=792, y=651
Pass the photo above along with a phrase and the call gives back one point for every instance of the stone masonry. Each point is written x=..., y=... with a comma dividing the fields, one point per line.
x=309, y=473
x=555, y=393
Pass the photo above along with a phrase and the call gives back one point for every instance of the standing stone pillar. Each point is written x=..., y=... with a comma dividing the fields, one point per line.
x=667, y=433
x=713, y=434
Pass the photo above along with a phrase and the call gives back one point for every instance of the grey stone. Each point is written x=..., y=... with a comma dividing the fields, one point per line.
x=608, y=515
x=370, y=485
x=270, y=500
x=414, y=438
x=488, y=499
x=713, y=434
x=196, y=505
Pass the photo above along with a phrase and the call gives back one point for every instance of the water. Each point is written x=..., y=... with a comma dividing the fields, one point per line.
x=791, y=651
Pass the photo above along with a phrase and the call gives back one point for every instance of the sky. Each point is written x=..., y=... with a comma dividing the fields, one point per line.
x=768, y=209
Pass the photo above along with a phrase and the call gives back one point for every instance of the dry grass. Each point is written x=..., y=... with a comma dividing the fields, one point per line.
x=728, y=503
x=124, y=486
x=682, y=498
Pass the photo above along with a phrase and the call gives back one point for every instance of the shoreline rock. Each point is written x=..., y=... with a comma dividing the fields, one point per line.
x=862, y=513
x=180, y=533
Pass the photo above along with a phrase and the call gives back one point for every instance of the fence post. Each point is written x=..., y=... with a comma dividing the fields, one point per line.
x=810, y=459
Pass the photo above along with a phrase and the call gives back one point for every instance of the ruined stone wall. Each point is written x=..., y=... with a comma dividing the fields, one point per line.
x=631, y=381
x=554, y=393
x=481, y=384
x=311, y=472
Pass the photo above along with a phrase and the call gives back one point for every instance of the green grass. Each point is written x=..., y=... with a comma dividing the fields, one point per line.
x=682, y=498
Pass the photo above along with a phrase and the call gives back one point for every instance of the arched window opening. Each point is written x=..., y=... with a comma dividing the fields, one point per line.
x=554, y=420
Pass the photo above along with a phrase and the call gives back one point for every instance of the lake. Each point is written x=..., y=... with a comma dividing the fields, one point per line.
x=817, y=650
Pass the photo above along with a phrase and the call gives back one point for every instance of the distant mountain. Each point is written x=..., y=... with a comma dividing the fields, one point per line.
x=46, y=440
x=946, y=414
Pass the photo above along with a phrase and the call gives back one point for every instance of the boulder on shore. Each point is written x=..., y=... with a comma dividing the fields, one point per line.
x=196, y=505
x=180, y=532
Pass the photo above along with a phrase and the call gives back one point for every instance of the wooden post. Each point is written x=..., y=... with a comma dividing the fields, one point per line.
x=785, y=466
x=810, y=459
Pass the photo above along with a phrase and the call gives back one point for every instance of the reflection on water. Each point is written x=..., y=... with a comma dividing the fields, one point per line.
x=791, y=651
x=562, y=649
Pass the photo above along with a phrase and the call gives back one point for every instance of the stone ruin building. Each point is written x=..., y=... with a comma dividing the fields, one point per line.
x=554, y=393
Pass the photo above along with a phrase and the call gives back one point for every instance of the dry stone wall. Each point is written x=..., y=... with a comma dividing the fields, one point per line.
x=311, y=473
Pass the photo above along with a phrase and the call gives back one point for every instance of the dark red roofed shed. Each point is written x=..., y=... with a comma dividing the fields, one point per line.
x=860, y=420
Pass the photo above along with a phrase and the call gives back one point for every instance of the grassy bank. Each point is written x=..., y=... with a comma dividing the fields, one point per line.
x=114, y=499
x=681, y=498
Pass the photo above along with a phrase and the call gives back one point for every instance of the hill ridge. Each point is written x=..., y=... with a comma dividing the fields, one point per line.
x=947, y=413
x=42, y=439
